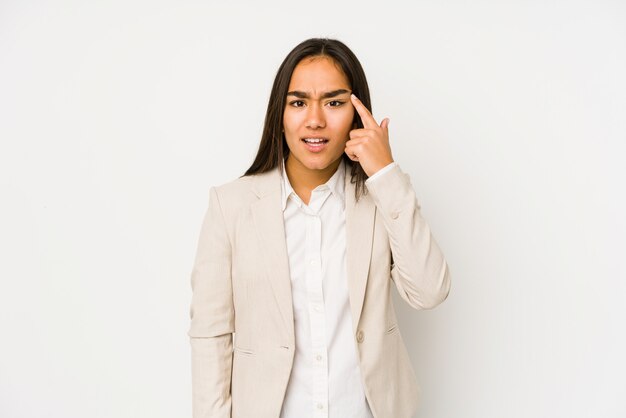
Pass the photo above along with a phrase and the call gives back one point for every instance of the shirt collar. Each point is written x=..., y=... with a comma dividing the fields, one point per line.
x=336, y=184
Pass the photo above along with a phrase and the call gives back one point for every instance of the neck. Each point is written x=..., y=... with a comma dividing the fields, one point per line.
x=302, y=178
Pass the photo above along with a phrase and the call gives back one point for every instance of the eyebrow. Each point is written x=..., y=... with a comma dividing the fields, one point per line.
x=304, y=95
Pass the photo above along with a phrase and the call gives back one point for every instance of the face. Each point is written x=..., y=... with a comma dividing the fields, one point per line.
x=318, y=107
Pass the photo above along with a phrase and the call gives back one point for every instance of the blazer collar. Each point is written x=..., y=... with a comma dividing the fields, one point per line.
x=268, y=220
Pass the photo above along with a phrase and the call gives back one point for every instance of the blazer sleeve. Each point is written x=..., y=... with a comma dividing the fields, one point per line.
x=418, y=267
x=212, y=317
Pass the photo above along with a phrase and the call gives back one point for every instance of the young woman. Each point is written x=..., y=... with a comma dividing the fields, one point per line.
x=297, y=256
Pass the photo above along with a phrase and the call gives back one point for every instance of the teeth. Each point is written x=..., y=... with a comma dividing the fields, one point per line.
x=314, y=140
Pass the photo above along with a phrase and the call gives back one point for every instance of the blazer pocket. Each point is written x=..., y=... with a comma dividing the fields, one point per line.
x=392, y=328
x=244, y=351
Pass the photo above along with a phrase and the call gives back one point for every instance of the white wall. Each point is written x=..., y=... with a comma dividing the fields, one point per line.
x=117, y=116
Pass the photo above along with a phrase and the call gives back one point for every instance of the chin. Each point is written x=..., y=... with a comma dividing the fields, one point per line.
x=314, y=165
x=315, y=162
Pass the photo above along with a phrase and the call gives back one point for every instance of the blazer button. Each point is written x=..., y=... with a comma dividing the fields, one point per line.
x=359, y=336
x=394, y=215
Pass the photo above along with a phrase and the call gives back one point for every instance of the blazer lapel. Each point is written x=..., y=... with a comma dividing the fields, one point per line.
x=359, y=236
x=268, y=221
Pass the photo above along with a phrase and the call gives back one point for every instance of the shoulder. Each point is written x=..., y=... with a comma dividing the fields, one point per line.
x=233, y=193
x=236, y=187
x=243, y=191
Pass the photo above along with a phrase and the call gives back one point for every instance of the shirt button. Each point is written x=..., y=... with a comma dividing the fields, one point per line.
x=319, y=358
x=394, y=215
x=359, y=336
x=318, y=308
x=320, y=406
x=312, y=262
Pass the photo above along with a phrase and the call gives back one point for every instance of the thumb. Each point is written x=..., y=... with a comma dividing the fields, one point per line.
x=384, y=124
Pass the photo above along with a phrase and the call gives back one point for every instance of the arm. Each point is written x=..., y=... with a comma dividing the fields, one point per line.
x=418, y=268
x=212, y=317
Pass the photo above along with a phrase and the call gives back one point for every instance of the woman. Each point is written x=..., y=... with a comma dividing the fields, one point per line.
x=297, y=256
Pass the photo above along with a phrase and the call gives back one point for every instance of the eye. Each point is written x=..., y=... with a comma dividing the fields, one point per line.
x=338, y=103
x=293, y=103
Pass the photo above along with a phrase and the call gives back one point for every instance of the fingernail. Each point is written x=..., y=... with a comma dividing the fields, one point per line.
x=353, y=96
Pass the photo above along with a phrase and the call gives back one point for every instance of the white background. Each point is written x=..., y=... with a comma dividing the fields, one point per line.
x=117, y=116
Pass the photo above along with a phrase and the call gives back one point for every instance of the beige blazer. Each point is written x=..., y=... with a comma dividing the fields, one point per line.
x=241, y=285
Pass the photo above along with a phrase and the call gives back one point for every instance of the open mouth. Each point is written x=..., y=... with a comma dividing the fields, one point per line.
x=314, y=141
x=315, y=144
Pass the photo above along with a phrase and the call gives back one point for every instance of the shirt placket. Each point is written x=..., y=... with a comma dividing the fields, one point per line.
x=317, y=314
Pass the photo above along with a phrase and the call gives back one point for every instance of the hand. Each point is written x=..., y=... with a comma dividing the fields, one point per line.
x=369, y=145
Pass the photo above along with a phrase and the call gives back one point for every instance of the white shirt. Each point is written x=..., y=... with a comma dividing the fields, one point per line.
x=325, y=380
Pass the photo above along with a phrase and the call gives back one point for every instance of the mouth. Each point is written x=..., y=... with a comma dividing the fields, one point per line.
x=315, y=144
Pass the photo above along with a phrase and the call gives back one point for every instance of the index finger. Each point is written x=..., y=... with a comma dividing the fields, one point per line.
x=364, y=113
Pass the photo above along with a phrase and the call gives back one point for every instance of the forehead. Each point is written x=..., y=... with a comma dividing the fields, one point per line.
x=318, y=74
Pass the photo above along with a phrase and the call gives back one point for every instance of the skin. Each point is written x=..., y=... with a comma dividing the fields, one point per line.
x=320, y=104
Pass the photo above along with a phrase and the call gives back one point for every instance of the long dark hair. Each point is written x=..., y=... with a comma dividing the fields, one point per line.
x=273, y=146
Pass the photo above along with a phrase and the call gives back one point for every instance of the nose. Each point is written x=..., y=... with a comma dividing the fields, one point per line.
x=315, y=117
